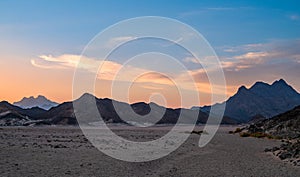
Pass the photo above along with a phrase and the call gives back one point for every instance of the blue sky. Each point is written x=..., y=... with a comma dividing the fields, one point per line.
x=66, y=26
x=255, y=40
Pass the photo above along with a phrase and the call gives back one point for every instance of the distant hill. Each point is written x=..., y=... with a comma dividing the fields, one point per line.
x=63, y=114
x=40, y=101
x=261, y=99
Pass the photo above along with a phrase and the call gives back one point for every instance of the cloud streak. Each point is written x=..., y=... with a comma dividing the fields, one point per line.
x=109, y=70
x=252, y=55
x=212, y=9
x=119, y=40
x=294, y=17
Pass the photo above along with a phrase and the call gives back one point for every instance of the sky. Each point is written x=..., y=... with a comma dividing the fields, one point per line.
x=41, y=43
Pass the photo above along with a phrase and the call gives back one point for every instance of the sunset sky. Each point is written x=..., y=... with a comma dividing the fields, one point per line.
x=41, y=43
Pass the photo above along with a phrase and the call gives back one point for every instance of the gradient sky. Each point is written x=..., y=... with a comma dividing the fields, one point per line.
x=40, y=42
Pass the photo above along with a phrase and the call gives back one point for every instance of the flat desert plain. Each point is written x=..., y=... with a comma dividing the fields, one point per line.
x=64, y=151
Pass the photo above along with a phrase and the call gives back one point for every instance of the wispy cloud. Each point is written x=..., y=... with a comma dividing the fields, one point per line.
x=220, y=8
x=252, y=55
x=110, y=70
x=152, y=87
x=190, y=60
x=119, y=40
x=69, y=61
x=294, y=17
x=65, y=61
x=212, y=9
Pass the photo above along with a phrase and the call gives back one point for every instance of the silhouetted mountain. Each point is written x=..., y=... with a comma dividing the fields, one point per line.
x=138, y=113
x=40, y=101
x=261, y=99
x=64, y=113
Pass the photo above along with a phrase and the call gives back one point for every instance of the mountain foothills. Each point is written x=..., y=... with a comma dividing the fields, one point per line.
x=261, y=101
x=40, y=101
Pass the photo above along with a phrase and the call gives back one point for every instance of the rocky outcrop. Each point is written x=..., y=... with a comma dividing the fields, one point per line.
x=284, y=126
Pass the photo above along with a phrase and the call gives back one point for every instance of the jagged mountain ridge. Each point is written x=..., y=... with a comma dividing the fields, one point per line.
x=260, y=99
x=40, y=101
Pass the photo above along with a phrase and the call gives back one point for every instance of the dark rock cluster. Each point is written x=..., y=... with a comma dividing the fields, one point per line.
x=284, y=126
x=288, y=151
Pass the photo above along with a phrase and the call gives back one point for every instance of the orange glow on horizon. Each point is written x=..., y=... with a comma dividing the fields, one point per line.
x=19, y=78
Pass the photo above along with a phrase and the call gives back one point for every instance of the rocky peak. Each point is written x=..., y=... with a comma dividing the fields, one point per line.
x=40, y=101
x=242, y=88
x=280, y=82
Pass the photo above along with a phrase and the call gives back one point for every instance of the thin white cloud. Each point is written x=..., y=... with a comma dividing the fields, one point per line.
x=119, y=40
x=65, y=61
x=220, y=8
x=152, y=87
x=251, y=55
x=190, y=60
x=294, y=17
x=34, y=63
x=212, y=9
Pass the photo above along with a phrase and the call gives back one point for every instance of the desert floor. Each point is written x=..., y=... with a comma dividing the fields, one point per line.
x=64, y=151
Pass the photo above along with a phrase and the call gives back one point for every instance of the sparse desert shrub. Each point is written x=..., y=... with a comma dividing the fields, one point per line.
x=197, y=132
x=258, y=135
x=244, y=134
x=238, y=130
x=273, y=137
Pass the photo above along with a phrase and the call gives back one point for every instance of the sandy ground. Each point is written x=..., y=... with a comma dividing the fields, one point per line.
x=64, y=151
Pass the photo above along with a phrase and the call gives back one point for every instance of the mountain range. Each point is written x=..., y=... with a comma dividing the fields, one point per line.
x=260, y=101
x=39, y=101
x=63, y=114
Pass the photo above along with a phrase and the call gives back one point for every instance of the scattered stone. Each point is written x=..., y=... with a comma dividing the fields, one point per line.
x=285, y=155
x=59, y=146
x=268, y=150
x=197, y=132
